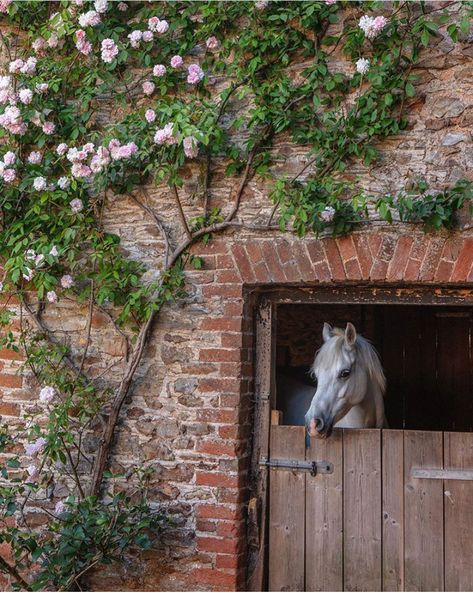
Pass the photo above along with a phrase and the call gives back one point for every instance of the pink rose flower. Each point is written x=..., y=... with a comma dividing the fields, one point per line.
x=109, y=50
x=212, y=43
x=148, y=87
x=195, y=74
x=61, y=148
x=67, y=281
x=4, y=4
x=76, y=206
x=48, y=128
x=9, y=175
x=148, y=36
x=159, y=70
x=176, y=62
x=47, y=394
x=150, y=116
x=25, y=96
x=35, y=157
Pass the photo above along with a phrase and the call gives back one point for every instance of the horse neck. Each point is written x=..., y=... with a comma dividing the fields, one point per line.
x=372, y=405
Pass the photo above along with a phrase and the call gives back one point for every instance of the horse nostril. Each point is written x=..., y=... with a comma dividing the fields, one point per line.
x=319, y=424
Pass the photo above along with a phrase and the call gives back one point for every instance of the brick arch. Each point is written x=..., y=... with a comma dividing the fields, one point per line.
x=374, y=256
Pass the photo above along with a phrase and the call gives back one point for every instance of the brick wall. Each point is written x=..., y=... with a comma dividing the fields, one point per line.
x=189, y=414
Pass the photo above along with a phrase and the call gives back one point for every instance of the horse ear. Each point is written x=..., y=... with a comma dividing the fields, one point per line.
x=350, y=335
x=327, y=332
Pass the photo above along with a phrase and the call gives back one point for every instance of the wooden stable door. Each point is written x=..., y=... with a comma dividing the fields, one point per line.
x=394, y=514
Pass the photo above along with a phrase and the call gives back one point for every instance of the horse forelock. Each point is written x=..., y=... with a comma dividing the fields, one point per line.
x=365, y=353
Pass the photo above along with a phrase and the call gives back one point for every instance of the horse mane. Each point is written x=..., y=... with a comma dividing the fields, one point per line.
x=326, y=357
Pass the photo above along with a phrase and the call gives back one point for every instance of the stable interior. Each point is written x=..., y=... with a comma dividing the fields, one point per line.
x=426, y=353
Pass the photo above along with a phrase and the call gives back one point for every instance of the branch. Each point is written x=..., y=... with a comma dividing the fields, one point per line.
x=181, y=212
x=11, y=570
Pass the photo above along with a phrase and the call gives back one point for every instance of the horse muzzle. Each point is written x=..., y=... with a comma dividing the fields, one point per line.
x=320, y=428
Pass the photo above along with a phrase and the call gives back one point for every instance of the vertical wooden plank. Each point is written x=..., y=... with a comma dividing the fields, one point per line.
x=393, y=509
x=362, y=509
x=264, y=392
x=458, y=501
x=286, y=517
x=423, y=513
x=324, y=517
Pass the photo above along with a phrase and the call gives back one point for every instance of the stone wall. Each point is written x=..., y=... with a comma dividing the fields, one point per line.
x=189, y=415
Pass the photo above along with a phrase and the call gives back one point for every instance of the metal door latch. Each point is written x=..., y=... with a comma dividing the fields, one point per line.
x=313, y=467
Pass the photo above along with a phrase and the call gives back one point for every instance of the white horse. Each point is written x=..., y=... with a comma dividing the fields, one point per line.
x=350, y=386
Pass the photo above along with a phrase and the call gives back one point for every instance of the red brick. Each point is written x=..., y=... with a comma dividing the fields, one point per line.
x=464, y=262
x=419, y=247
x=218, y=416
x=400, y=258
x=216, y=384
x=231, y=340
x=8, y=354
x=379, y=270
x=322, y=272
x=213, y=247
x=244, y=265
x=219, y=355
x=375, y=240
x=216, y=479
x=452, y=248
x=261, y=272
x=387, y=248
x=229, y=528
x=223, y=290
x=229, y=432
x=9, y=409
x=214, y=511
x=254, y=252
x=227, y=277
x=303, y=262
x=230, y=369
x=284, y=251
x=364, y=254
x=13, y=381
x=353, y=270
x=206, y=526
x=233, y=309
x=431, y=259
x=346, y=248
x=223, y=580
x=412, y=270
x=215, y=544
x=334, y=260
x=224, y=262
x=232, y=495
x=223, y=324
x=215, y=448
x=229, y=560
x=272, y=262
x=444, y=271
x=315, y=251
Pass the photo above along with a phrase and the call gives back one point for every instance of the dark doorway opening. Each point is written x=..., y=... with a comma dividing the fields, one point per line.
x=426, y=352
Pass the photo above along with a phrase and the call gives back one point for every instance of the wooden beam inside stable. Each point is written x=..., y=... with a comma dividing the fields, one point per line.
x=372, y=295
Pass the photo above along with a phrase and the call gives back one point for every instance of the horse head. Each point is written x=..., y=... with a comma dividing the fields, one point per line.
x=348, y=374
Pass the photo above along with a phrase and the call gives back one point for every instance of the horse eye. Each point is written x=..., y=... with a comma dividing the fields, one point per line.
x=345, y=373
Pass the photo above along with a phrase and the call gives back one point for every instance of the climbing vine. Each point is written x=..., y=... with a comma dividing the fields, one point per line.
x=182, y=84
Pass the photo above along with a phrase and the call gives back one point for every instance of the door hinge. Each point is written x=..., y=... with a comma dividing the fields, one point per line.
x=313, y=467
